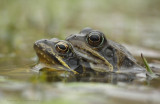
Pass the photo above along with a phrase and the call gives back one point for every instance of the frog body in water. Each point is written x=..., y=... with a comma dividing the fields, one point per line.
x=89, y=55
x=102, y=54
x=57, y=55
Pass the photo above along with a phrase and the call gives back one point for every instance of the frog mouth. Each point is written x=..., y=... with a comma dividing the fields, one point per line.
x=43, y=54
x=48, y=61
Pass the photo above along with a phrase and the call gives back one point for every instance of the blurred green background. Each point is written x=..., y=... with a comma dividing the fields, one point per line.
x=22, y=22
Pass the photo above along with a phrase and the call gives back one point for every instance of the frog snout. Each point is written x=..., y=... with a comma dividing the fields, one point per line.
x=38, y=43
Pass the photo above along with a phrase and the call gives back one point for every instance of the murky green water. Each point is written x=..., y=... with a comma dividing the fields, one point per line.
x=19, y=84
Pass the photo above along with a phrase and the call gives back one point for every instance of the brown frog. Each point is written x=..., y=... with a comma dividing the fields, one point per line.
x=56, y=55
x=102, y=54
x=87, y=62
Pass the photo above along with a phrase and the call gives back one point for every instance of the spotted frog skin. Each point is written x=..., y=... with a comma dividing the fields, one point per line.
x=102, y=54
x=56, y=55
x=89, y=55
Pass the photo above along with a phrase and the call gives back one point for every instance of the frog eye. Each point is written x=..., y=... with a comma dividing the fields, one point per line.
x=95, y=38
x=62, y=47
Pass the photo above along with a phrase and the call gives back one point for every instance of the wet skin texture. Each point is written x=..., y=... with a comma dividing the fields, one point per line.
x=89, y=55
x=57, y=54
x=102, y=54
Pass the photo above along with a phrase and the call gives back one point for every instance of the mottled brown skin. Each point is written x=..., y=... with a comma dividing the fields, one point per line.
x=53, y=60
x=57, y=54
x=103, y=55
x=89, y=61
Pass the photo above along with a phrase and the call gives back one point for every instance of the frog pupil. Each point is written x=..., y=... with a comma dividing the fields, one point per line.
x=94, y=37
x=62, y=47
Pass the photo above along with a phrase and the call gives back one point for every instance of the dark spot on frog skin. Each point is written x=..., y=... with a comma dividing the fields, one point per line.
x=127, y=63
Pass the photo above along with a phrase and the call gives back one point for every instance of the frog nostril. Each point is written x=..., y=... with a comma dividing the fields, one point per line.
x=74, y=37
